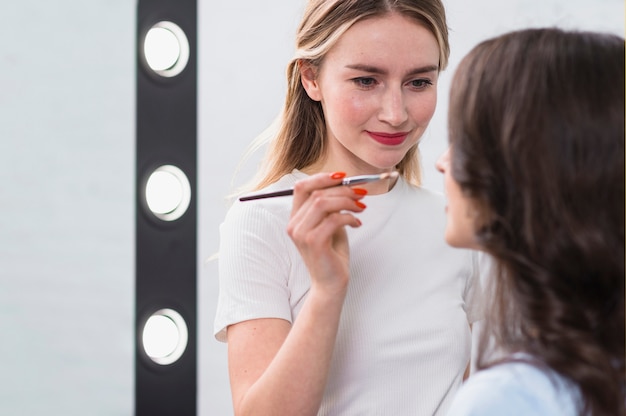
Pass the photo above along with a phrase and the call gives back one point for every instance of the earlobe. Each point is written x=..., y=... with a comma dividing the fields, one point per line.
x=308, y=78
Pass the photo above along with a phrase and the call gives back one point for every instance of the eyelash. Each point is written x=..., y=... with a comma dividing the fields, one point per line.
x=368, y=82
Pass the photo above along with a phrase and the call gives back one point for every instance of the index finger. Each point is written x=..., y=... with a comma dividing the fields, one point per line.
x=305, y=187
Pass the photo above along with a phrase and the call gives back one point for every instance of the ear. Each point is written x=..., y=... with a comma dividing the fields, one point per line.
x=308, y=78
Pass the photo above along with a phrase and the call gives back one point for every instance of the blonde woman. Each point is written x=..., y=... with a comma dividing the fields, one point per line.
x=346, y=300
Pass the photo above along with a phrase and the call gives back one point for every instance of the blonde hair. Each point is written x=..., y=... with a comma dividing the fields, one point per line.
x=297, y=137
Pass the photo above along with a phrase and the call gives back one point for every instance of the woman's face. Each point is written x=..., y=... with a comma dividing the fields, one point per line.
x=460, y=210
x=377, y=87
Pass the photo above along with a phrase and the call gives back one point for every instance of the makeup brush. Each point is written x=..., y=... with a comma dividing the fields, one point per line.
x=350, y=181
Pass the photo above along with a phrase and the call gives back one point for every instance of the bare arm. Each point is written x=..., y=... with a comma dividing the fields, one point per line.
x=275, y=370
x=279, y=369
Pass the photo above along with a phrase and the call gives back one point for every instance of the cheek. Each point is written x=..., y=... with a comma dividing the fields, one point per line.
x=344, y=110
x=457, y=229
x=460, y=217
x=354, y=108
x=423, y=107
x=457, y=232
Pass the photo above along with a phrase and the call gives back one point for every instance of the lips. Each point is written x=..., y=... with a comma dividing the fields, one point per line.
x=388, y=139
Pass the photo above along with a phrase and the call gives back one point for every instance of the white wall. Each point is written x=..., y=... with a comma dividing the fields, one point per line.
x=67, y=165
x=66, y=222
x=245, y=47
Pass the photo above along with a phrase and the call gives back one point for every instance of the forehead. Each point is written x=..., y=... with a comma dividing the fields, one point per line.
x=391, y=38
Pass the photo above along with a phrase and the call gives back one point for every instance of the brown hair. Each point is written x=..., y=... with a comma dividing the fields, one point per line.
x=298, y=141
x=536, y=125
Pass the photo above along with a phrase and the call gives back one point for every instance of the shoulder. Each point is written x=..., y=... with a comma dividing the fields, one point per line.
x=514, y=389
x=427, y=208
x=269, y=209
x=417, y=200
x=425, y=194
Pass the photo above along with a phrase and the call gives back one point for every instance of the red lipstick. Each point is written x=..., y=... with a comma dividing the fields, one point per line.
x=388, y=139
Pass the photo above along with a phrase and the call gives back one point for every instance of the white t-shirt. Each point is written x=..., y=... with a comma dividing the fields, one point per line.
x=404, y=340
x=516, y=389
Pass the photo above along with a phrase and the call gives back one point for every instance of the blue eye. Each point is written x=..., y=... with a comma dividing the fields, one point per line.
x=421, y=83
x=364, y=81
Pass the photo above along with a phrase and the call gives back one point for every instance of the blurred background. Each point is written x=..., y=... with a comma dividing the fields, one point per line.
x=67, y=165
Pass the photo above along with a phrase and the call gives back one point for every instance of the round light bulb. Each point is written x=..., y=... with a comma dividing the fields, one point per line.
x=166, y=49
x=168, y=192
x=165, y=336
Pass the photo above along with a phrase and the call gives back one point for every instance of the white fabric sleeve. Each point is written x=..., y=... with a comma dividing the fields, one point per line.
x=253, y=267
x=515, y=390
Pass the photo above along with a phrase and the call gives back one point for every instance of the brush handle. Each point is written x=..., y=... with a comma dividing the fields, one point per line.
x=351, y=181
x=285, y=192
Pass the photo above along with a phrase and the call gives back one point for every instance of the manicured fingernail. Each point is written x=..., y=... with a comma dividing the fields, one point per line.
x=360, y=204
x=358, y=221
x=359, y=191
x=338, y=175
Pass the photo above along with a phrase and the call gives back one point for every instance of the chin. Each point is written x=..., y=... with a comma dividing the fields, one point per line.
x=453, y=243
x=457, y=241
x=467, y=243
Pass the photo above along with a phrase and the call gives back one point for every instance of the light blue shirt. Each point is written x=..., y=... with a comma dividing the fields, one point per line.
x=515, y=389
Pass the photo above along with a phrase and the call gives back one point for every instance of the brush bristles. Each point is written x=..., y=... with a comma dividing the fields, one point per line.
x=389, y=175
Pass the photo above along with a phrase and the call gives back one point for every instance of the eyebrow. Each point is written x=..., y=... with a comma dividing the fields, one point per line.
x=375, y=70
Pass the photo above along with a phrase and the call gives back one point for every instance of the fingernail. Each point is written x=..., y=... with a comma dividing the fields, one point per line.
x=359, y=191
x=338, y=175
x=358, y=221
x=360, y=204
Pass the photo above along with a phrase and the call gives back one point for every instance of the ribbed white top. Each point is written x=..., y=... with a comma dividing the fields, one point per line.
x=404, y=340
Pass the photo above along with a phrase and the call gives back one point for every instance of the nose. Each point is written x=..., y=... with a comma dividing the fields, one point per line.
x=443, y=161
x=393, y=107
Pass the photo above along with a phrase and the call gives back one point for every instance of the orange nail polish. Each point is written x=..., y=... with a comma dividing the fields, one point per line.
x=359, y=191
x=338, y=175
x=360, y=204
